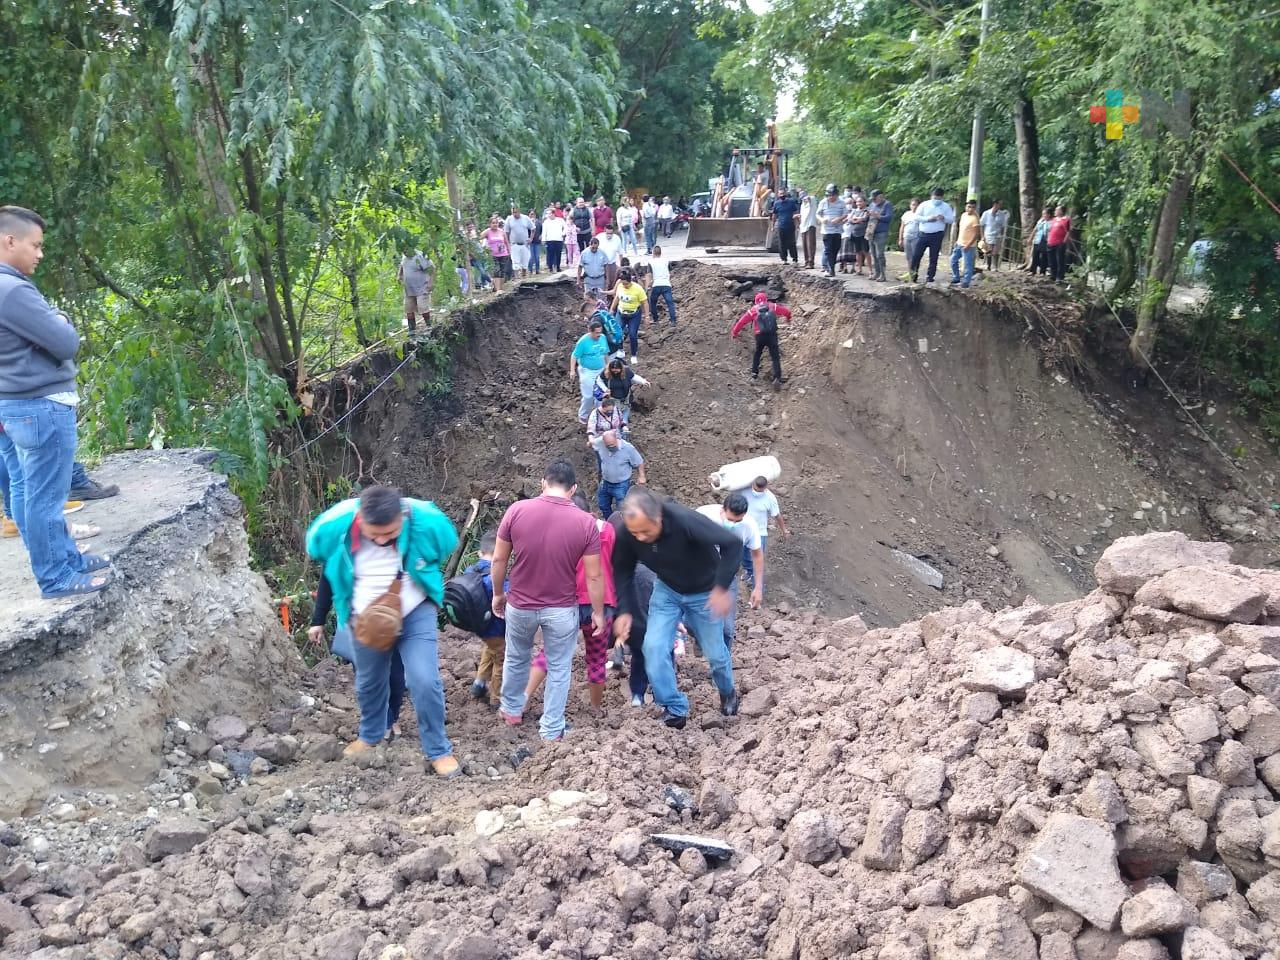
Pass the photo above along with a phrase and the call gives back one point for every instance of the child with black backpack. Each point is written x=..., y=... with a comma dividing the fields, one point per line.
x=468, y=605
x=763, y=317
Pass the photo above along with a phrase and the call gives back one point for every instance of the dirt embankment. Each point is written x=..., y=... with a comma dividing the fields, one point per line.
x=932, y=426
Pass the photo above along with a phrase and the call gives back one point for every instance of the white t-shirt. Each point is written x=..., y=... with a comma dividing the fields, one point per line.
x=760, y=507
x=745, y=529
x=553, y=229
x=661, y=268
x=610, y=246
x=375, y=568
x=626, y=216
x=666, y=212
x=649, y=210
x=910, y=230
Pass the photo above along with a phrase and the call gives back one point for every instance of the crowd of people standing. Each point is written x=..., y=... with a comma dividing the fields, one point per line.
x=848, y=231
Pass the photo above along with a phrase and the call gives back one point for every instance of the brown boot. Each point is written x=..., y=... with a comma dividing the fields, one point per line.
x=446, y=767
x=357, y=747
x=8, y=529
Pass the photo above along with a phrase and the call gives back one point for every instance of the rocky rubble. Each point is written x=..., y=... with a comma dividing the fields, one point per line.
x=1094, y=780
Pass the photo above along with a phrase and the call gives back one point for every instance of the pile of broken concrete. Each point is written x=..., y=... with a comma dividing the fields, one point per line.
x=1094, y=780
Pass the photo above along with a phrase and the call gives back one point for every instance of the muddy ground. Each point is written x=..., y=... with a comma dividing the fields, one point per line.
x=943, y=425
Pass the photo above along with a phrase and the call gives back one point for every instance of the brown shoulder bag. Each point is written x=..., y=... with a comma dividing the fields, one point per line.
x=379, y=625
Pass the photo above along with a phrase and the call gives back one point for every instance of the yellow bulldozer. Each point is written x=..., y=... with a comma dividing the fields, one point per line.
x=734, y=214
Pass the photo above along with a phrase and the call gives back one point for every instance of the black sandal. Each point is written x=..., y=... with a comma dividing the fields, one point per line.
x=82, y=585
x=93, y=562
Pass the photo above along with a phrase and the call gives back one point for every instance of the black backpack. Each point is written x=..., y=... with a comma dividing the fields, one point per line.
x=467, y=604
x=766, y=319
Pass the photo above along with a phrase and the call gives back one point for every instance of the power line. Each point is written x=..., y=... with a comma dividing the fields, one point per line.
x=354, y=407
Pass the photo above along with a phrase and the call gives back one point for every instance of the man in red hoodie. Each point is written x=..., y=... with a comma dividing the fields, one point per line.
x=763, y=318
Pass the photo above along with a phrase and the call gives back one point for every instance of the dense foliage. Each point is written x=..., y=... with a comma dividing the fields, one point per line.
x=887, y=91
x=230, y=183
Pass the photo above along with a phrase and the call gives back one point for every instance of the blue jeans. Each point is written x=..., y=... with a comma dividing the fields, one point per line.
x=748, y=564
x=608, y=494
x=343, y=646
x=650, y=235
x=629, y=236
x=39, y=447
x=421, y=657
x=968, y=254
x=667, y=609
x=731, y=621
x=631, y=327
x=559, y=640
x=667, y=298
x=586, y=387
x=535, y=257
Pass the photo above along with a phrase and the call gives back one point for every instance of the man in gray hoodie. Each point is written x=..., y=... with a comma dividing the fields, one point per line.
x=38, y=412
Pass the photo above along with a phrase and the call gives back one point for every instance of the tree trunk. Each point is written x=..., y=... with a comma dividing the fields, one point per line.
x=1028, y=140
x=1161, y=270
x=1128, y=269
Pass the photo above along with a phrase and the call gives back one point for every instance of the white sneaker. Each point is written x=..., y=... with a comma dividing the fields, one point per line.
x=637, y=701
x=634, y=361
x=679, y=646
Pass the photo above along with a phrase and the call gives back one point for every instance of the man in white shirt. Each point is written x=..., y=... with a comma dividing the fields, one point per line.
x=761, y=505
x=732, y=515
x=611, y=247
x=995, y=222
x=553, y=228
x=932, y=218
x=649, y=214
x=660, y=286
x=666, y=217
x=519, y=230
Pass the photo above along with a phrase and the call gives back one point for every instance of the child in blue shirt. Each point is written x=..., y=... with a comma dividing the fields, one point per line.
x=494, y=639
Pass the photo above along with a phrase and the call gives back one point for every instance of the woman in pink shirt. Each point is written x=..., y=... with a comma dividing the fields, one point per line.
x=570, y=244
x=495, y=239
x=1059, y=234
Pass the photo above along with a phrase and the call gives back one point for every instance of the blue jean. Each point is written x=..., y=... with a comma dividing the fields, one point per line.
x=667, y=298
x=631, y=327
x=39, y=448
x=731, y=621
x=968, y=253
x=608, y=494
x=79, y=478
x=650, y=235
x=343, y=646
x=747, y=563
x=535, y=257
x=667, y=609
x=559, y=640
x=587, y=387
x=629, y=236
x=420, y=655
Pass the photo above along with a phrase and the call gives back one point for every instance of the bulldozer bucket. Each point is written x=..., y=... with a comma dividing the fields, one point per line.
x=728, y=232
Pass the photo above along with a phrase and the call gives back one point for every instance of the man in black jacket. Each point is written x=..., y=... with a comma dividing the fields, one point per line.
x=695, y=561
x=581, y=217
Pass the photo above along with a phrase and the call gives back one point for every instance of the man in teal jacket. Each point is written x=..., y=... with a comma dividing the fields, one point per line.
x=363, y=545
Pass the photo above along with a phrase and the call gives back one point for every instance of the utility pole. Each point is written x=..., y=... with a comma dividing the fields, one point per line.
x=979, y=128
